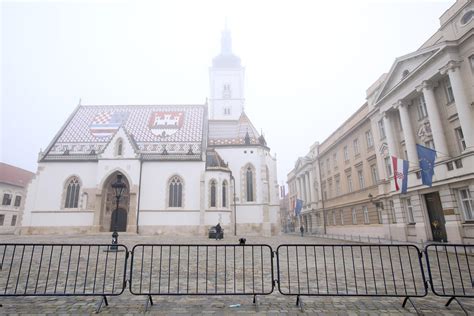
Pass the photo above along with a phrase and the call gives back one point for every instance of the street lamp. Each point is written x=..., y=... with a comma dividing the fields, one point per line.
x=118, y=187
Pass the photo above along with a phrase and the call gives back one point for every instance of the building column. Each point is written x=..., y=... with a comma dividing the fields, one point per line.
x=392, y=148
x=311, y=185
x=298, y=188
x=435, y=119
x=462, y=104
x=410, y=142
x=303, y=180
x=308, y=186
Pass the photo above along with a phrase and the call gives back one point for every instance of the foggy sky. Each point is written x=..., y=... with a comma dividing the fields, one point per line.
x=308, y=63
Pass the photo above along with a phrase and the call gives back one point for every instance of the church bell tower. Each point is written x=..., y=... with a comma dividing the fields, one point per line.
x=226, y=80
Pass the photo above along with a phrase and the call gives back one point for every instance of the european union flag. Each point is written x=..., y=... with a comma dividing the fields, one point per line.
x=426, y=157
x=298, y=207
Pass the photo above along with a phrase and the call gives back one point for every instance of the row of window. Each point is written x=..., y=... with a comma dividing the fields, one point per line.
x=328, y=191
x=2, y=220
x=8, y=197
x=213, y=191
x=336, y=217
x=175, y=191
x=355, y=145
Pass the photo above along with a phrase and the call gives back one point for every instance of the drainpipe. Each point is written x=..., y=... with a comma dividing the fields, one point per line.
x=139, y=195
x=235, y=206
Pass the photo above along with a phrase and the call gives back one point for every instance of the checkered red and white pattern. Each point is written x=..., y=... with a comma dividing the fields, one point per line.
x=102, y=118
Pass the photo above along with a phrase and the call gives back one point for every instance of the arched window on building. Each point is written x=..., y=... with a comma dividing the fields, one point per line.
x=249, y=184
x=175, y=192
x=72, y=193
x=119, y=147
x=213, y=202
x=224, y=194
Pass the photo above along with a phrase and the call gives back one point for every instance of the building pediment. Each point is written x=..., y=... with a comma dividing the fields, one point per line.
x=301, y=162
x=403, y=68
x=121, y=145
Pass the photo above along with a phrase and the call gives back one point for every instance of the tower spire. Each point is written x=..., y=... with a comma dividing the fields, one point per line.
x=226, y=40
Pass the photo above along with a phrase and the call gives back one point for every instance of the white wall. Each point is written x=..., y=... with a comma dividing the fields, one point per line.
x=50, y=183
x=61, y=219
x=169, y=218
x=154, y=186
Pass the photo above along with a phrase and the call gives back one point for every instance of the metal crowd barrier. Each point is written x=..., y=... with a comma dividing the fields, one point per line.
x=450, y=270
x=159, y=269
x=62, y=270
x=350, y=270
x=199, y=269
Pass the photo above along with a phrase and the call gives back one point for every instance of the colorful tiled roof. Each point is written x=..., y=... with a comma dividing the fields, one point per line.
x=234, y=132
x=214, y=161
x=168, y=130
x=15, y=176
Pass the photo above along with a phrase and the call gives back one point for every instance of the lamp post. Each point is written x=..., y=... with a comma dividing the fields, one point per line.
x=118, y=187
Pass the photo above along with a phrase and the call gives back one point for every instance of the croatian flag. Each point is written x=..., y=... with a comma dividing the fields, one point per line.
x=400, y=174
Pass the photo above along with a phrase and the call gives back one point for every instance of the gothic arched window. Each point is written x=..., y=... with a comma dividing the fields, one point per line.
x=224, y=194
x=72, y=193
x=119, y=147
x=249, y=184
x=175, y=192
x=248, y=188
x=213, y=193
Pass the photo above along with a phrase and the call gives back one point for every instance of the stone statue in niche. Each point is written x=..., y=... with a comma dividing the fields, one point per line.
x=424, y=131
x=383, y=149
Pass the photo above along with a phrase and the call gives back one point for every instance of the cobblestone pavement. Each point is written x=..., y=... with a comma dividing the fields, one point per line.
x=272, y=304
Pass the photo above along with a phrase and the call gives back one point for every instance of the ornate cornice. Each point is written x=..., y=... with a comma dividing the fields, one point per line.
x=401, y=103
x=425, y=85
x=452, y=65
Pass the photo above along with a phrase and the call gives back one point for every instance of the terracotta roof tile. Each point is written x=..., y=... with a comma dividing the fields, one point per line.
x=15, y=176
x=232, y=132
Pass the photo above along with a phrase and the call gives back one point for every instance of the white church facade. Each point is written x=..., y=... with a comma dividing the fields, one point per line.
x=186, y=167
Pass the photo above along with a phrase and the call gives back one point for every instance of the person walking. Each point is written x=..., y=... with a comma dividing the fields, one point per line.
x=301, y=230
x=218, y=231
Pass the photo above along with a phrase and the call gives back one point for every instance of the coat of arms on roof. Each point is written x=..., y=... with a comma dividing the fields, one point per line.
x=106, y=123
x=165, y=123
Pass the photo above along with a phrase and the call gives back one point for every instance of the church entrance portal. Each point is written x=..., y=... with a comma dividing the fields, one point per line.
x=109, y=212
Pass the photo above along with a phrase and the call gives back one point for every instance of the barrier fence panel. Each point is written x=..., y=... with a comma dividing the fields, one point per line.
x=62, y=270
x=350, y=270
x=450, y=269
x=201, y=270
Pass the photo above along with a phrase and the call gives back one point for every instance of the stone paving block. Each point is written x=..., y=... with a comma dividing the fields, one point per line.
x=217, y=305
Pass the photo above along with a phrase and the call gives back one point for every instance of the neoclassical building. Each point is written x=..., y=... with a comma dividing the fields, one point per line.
x=186, y=167
x=426, y=98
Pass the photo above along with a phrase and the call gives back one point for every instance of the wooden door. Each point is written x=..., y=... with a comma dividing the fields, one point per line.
x=437, y=221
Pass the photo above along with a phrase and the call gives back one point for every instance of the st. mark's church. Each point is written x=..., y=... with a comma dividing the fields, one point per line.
x=186, y=167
